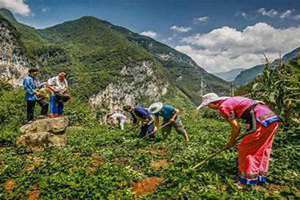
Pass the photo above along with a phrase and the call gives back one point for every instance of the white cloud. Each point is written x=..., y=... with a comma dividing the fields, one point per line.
x=269, y=13
x=45, y=9
x=296, y=17
x=286, y=14
x=202, y=19
x=226, y=48
x=180, y=29
x=17, y=6
x=151, y=34
x=244, y=14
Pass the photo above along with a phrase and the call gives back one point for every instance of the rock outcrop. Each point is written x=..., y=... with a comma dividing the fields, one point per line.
x=135, y=82
x=13, y=62
x=44, y=133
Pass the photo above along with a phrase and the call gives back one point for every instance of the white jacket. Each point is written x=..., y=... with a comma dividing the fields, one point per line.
x=58, y=85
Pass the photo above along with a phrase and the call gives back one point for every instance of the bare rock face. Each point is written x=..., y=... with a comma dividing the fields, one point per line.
x=13, y=62
x=136, y=83
x=44, y=133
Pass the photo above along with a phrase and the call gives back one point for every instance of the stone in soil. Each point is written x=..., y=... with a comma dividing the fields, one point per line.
x=43, y=133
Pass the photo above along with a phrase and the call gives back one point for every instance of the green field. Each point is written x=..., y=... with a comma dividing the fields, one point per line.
x=102, y=163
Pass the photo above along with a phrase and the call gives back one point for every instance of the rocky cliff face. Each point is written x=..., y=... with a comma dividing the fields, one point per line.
x=136, y=83
x=13, y=61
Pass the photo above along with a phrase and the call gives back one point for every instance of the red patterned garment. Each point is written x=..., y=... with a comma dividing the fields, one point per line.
x=255, y=149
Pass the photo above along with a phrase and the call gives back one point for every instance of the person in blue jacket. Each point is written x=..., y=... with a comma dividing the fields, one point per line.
x=142, y=115
x=30, y=84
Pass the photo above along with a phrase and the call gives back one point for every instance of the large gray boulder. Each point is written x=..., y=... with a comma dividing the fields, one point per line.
x=43, y=133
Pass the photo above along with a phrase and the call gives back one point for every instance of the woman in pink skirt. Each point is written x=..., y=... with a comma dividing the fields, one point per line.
x=255, y=149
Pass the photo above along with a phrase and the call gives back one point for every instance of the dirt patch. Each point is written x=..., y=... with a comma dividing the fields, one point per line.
x=9, y=185
x=146, y=186
x=273, y=188
x=96, y=161
x=121, y=161
x=159, y=164
x=2, y=163
x=155, y=151
x=34, y=194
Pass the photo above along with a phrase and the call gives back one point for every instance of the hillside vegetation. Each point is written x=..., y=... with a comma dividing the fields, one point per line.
x=279, y=87
x=182, y=70
x=94, y=51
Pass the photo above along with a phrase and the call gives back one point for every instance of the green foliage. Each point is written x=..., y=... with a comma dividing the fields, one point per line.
x=100, y=162
x=280, y=88
x=93, y=52
x=210, y=114
x=80, y=113
x=104, y=163
x=13, y=113
x=12, y=110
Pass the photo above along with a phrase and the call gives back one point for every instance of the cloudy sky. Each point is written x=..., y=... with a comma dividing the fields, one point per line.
x=218, y=34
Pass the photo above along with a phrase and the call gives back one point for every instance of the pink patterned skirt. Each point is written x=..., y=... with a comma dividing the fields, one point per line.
x=254, y=154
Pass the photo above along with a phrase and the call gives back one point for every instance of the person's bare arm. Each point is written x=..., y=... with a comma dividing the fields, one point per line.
x=174, y=115
x=156, y=122
x=235, y=132
x=50, y=87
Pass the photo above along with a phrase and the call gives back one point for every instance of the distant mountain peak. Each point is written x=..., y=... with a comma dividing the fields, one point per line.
x=229, y=75
x=7, y=14
x=248, y=75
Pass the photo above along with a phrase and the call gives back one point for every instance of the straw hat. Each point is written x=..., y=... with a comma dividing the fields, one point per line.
x=155, y=107
x=210, y=98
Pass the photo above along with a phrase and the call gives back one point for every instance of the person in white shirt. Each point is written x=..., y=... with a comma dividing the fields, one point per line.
x=116, y=117
x=58, y=86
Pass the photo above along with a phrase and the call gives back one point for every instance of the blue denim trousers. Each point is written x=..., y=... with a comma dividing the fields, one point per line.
x=56, y=107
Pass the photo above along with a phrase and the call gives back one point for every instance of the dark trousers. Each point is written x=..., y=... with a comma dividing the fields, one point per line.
x=147, y=130
x=30, y=108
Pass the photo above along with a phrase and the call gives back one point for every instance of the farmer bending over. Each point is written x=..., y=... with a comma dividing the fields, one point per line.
x=116, y=118
x=170, y=117
x=141, y=114
x=255, y=149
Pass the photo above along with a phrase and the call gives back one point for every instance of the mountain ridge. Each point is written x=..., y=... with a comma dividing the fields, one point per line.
x=97, y=54
x=250, y=74
x=229, y=75
x=182, y=70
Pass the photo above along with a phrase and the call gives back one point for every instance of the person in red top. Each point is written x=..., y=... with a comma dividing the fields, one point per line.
x=255, y=149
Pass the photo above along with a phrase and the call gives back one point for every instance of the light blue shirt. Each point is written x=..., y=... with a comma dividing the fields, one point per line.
x=30, y=86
